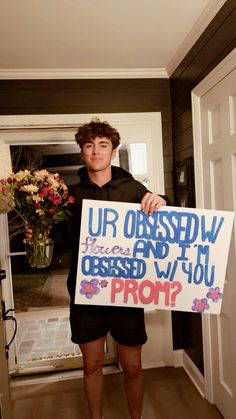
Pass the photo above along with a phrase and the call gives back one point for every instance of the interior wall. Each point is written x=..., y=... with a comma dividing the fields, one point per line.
x=19, y=97
x=25, y=97
x=140, y=95
x=218, y=40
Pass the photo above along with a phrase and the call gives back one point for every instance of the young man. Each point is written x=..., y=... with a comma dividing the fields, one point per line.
x=90, y=324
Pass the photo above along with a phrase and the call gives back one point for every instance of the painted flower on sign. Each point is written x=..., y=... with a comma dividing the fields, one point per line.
x=200, y=305
x=89, y=288
x=103, y=283
x=214, y=294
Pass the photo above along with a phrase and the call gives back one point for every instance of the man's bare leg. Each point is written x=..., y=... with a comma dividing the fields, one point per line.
x=130, y=360
x=93, y=354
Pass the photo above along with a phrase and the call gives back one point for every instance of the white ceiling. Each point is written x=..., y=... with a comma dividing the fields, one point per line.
x=99, y=36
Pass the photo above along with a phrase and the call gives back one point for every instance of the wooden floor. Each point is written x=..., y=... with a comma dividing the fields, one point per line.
x=169, y=394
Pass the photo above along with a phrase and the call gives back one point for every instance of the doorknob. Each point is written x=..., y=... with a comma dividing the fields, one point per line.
x=2, y=274
x=5, y=316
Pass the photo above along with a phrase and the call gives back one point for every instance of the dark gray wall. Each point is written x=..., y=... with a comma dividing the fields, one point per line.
x=218, y=40
x=93, y=96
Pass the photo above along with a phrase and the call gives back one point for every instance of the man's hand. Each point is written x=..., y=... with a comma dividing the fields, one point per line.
x=151, y=202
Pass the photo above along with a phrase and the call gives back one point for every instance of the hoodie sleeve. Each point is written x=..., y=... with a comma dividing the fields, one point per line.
x=142, y=190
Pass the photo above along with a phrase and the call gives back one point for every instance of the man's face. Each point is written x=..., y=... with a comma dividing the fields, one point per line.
x=97, y=154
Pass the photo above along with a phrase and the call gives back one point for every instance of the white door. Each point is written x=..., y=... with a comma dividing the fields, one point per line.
x=5, y=402
x=215, y=171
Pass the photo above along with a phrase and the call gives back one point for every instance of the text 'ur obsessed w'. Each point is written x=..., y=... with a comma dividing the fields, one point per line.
x=149, y=259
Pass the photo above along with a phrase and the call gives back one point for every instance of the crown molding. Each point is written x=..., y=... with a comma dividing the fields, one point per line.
x=204, y=20
x=96, y=73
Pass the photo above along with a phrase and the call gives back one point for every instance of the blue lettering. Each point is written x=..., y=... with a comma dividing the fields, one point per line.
x=209, y=281
x=116, y=267
x=183, y=248
x=199, y=273
x=211, y=235
x=91, y=224
x=203, y=250
x=187, y=268
x=110, y=218
x=129, y=224
x=158, y=249
x=106, y=217
x=168, y=273
x=162, y=226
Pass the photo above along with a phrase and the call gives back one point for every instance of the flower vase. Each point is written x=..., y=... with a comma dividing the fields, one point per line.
x=39, y=248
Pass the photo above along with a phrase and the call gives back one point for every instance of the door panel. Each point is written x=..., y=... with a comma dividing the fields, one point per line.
x=218, y=183
x=5, y=399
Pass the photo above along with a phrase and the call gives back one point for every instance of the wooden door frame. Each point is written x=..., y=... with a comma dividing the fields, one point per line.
x=213, y=78
x=63, y=126
x=5, y=396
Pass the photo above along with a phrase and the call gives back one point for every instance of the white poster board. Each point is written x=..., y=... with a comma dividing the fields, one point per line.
x=173, y=260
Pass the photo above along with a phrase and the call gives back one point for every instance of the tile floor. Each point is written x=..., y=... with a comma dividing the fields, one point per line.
x=41, y=336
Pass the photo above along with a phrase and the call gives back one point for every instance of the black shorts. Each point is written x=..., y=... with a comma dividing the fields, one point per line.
x=126, y=325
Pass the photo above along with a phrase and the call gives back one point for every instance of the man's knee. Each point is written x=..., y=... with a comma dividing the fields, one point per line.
x=132, y=371
x=93, y=367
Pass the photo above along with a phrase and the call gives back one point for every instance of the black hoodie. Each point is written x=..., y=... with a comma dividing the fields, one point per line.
x=121, y=188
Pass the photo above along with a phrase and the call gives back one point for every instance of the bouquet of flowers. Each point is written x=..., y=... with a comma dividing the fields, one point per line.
x=39, y=199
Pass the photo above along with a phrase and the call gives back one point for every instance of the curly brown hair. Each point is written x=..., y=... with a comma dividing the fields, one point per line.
x=94, y=129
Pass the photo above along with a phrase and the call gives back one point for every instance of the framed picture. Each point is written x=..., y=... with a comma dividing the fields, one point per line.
x=182, y=175
x=184, y=183
x=183, y=200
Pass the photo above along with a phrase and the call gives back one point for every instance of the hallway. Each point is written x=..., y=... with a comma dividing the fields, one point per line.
x=169, y=394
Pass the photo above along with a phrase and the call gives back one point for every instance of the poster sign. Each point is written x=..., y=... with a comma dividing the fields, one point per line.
x=173, y=260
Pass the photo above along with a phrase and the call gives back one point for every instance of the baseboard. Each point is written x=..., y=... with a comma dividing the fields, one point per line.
x=181, y=359
x=153, y=365
x=178, y=358
x=56, y=376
